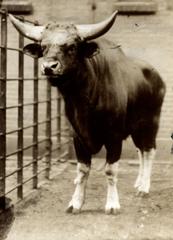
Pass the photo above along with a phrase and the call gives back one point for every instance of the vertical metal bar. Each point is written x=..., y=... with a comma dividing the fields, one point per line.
x=93, y=8
x=3, y=76
x=35, y=128
x=59, y=122
x=20, y=119
x=172, y=144
x=48, y=131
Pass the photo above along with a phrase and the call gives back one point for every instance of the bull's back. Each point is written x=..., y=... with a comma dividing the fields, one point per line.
x=137, y=77
x=134, y=73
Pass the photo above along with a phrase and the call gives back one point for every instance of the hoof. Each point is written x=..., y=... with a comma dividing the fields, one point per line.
x=72, y=210
x=69, y=209
x=137, y=185
x=112, y=211
x=76, y=211
x=142, y=194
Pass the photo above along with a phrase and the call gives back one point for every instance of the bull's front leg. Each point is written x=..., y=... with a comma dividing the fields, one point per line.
x=111, y=170
x=83, y=168
x=112, y=202
x=78, y=197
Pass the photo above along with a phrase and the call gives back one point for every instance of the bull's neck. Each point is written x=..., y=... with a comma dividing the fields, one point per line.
x=78, y=86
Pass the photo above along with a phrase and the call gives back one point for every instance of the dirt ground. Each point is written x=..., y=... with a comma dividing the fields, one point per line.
x=43, y=216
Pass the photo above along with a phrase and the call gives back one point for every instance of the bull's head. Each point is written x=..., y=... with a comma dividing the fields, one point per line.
x=60, y=45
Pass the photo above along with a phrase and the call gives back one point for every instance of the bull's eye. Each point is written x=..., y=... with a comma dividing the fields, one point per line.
x=43, y=48
x=71, y=49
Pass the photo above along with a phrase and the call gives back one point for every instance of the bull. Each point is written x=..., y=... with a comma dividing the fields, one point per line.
x=108, y=96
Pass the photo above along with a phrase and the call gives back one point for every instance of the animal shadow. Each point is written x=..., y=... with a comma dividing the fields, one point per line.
x=6, y=219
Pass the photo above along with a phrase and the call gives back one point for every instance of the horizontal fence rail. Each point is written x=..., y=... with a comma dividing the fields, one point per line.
x=27, y=158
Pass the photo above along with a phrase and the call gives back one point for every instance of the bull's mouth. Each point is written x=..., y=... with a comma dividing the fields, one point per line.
x=58, y=80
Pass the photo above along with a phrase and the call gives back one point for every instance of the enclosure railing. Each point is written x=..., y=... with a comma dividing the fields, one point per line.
x=27, y=162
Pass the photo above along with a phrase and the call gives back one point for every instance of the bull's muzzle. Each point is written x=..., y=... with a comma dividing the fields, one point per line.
x=51, y=68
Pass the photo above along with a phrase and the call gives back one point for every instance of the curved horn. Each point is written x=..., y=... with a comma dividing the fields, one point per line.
x=28, y=30
x=92, y=31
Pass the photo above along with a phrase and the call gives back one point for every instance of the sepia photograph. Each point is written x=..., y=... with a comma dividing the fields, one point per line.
x=86, y=119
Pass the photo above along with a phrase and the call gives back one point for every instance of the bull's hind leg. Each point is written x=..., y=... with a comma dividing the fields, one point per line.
x=145, y=140
x=143, y=180
x=140, y=172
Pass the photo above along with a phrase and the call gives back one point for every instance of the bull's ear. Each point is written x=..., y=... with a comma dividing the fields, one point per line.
x=89, y=49
x=34, y=50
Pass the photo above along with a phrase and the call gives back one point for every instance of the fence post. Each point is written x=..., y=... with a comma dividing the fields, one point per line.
x=20, y=119
x=59, y=122
x=35, y=128
x=3, y=76
x=48, y=131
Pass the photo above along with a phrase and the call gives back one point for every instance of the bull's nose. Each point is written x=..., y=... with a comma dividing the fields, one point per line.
x=53, y=65
x=48, y=71
x=50, y=67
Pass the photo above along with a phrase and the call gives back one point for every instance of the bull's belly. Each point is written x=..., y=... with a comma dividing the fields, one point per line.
x=95, y=131
x=100, y=136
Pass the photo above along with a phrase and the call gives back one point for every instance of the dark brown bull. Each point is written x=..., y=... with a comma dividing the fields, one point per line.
x=108, y=96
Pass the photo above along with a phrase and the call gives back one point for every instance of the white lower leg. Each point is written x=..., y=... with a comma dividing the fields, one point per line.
x=140, y=173
x=112, y=203
x=148, y=158
x=80, y=182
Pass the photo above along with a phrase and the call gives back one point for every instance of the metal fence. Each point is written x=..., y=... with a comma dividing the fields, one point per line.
x=24, y=164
